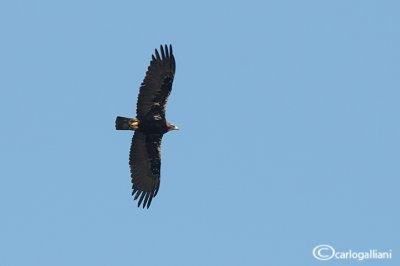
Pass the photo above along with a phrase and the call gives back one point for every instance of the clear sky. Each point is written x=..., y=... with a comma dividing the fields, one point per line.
x=290, y=132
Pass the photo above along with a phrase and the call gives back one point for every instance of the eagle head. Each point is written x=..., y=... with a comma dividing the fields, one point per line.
x=172, y=127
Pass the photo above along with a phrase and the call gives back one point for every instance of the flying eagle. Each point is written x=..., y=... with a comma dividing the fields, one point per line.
x=149, y=126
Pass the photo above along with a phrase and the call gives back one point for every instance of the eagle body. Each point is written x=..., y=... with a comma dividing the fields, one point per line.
x=153, y=125
x=149, y=126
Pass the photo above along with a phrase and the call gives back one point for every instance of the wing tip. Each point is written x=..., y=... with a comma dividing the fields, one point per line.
x=144, y=197
x=165, y=51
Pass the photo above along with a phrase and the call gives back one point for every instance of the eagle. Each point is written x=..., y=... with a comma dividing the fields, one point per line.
x=149, y=126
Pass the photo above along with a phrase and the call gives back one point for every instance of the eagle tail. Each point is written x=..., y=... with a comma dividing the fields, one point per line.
x=124, y=123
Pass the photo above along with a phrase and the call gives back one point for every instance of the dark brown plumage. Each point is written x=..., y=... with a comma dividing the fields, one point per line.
x=149, y=125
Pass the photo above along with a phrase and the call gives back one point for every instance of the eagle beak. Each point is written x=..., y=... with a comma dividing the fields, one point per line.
x=175, y=128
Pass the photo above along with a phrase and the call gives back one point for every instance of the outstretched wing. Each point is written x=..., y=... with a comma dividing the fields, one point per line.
x=157, y=84
x=145, y=162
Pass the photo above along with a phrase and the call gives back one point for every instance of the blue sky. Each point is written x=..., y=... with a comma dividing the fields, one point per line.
x=289, y=118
